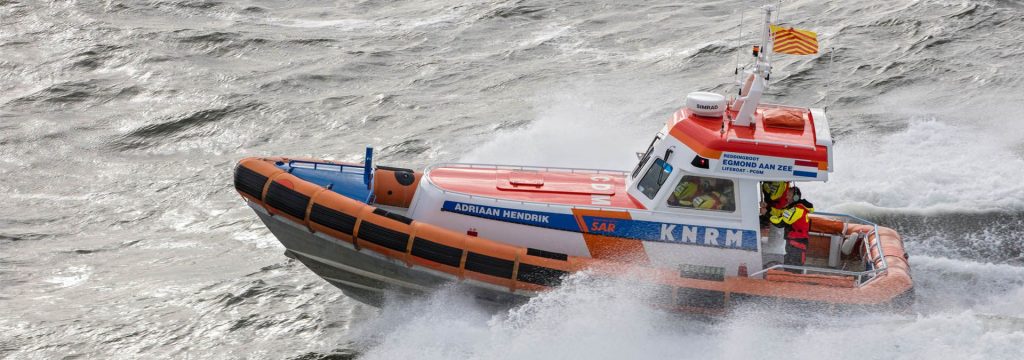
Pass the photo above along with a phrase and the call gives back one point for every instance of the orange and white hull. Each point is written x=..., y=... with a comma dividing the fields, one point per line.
x=365, y=250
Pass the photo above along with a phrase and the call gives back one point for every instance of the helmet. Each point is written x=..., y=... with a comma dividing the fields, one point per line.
x=796, y=195
x=774, y=189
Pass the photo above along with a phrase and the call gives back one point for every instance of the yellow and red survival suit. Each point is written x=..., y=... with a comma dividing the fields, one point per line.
x=787, y=209
x=685, y=192
x=776, y=195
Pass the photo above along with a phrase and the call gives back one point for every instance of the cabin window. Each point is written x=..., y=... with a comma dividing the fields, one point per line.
x=645, y=156
x=703, y=193
x=656, y=176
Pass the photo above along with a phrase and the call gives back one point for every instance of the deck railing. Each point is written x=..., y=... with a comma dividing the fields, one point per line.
x=863, y=277
x=326, y=166
x=526, y=167
x=696, y=214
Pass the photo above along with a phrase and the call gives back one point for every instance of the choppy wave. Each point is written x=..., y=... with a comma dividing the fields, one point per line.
x=928, y=167
x=120, y=235
x=594, y=318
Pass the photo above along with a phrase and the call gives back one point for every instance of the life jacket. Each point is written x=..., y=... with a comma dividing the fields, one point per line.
x=801, y=225
x=794, y=216
x=712, y=201
x=785, y=196
x=685, y=192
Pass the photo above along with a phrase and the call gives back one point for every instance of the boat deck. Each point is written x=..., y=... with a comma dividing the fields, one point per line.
x=535, y=184
x=344, y=179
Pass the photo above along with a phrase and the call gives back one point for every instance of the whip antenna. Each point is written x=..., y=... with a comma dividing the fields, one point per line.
x=778, y=13
x=739, y=47
x=828, y=81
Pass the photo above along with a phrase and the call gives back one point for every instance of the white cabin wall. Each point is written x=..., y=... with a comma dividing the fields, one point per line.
x=429, y=201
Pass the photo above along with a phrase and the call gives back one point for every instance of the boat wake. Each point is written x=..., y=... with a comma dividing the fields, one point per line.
x=963, y=309
x=922, y=178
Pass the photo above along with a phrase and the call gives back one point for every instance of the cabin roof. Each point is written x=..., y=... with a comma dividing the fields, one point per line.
x=545, y=185
x=777, y=131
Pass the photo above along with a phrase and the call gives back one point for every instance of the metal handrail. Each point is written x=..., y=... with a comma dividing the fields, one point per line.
x=524, y=167
x=769, y=142
x=317, y=164
x=878, y=240
x=860, y=275
x=495, y=199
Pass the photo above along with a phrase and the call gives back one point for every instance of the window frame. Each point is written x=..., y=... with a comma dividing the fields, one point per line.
x=647, y=156
x=681, y=207
x=661, y=169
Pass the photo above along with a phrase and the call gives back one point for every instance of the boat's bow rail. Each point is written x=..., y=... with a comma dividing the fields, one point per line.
x=872, y=252
x=351, y=180
x=327, y=166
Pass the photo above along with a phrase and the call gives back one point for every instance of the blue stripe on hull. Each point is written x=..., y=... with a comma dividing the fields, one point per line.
x=675, y=233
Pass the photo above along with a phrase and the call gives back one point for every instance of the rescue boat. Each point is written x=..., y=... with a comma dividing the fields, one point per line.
x=509, y=232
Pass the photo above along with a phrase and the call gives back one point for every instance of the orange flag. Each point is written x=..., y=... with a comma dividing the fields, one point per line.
x=794, y=41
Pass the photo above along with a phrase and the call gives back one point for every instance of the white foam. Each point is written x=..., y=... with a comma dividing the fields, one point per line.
x=601, y=319
x=586, y=318
x=965, y=309
x=928, y=167
x=71, y=277
x=575, y=128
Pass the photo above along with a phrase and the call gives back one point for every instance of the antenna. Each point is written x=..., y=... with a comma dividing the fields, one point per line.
x=828, y=82
x=778, y=12
x=757, y=77
x=739, y=46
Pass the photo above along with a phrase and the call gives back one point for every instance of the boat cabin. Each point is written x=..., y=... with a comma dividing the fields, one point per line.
x=693, y=198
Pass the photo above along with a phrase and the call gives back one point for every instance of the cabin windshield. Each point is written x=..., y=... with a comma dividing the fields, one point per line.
x=656, y=176
x=645, y=156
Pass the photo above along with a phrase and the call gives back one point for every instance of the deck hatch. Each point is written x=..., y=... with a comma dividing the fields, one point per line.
x=287, y=200
x=439, y=253
x=391, y=239
x=332, y=219
x=540, y=275
x=249, y=182
x=489, y=265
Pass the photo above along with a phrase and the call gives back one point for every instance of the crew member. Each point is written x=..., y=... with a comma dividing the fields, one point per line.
x=709, y=201
x=685, y=192
x=776, y=198
x=718, y=198
x=793, y=217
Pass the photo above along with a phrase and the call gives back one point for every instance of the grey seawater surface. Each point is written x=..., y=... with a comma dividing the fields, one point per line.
x=120, y=122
